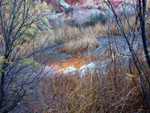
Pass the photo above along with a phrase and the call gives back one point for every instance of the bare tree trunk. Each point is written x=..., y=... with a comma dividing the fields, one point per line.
x=142, y=13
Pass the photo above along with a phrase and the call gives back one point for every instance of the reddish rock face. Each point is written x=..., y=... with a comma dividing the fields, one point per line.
x=54, y=3
x=84, y=13
x=73, y=2
x=57, y=5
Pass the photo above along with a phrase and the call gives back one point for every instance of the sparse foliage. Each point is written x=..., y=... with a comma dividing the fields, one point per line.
x=21, y=24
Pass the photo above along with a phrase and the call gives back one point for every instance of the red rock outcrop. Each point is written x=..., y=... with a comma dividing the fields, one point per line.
x=54, y=3
x=57, y=4
x=85, y=13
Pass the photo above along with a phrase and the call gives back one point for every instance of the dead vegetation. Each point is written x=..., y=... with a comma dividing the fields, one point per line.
x=112, y=92
x=118, y=90
x=78, y=39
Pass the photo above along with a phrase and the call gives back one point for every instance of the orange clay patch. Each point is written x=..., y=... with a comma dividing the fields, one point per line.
x=76, y=62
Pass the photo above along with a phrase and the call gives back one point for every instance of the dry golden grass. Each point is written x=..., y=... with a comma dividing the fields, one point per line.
x=148, y=5
x=128, y=24
x=148, y=29
x=78, y=39
x=113, y=93
x=86, y=42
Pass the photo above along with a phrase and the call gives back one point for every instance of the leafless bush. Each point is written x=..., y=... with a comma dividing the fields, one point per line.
x=136, y=30
x=21, y=23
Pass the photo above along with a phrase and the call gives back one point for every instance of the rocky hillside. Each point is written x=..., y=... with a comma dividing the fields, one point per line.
x=74, y=13
x=59, y=4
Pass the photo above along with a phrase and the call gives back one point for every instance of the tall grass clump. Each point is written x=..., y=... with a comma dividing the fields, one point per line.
x=105, y=92
x=79, y=38
x=112, y=92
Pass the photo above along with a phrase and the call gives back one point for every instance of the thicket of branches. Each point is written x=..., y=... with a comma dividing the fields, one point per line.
x=22, y=22
x=136, y=29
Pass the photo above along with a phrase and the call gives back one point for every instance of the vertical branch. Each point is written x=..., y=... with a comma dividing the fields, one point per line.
x=3, y=65
x=12, y=22
x=1, y=20
x=144, y=32
x=134, y=56
x=142, y=14
x=3, y=70
x=142, y=11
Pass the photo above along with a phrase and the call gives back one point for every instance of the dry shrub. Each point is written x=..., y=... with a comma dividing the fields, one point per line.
x=85, y=38
x=148, y=5
x=113, y=92
x=71, y=94
x=128, y=25
x=79, y=38
x=66, y=33
x=148, y=30
x=85, y=42
x=100, y=30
